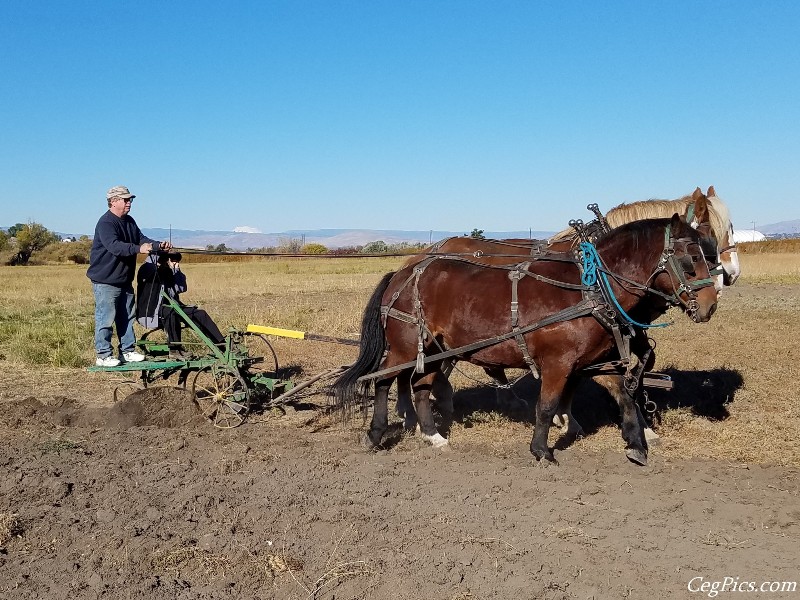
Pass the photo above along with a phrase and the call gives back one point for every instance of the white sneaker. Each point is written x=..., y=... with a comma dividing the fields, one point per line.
x=133, y=356
x=108, y=361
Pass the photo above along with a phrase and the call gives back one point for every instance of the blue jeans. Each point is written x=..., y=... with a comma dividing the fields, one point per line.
x=113, y=305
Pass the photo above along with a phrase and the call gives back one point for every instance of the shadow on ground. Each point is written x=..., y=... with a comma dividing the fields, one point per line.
x=706, y=393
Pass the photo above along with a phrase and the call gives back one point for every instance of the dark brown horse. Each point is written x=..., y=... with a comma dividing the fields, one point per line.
x=447, y=307
x=705, y=212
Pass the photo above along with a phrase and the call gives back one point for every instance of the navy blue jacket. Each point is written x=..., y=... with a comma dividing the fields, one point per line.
x=116, y=243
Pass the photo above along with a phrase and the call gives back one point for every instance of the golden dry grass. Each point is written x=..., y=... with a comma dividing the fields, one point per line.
x=783, y=246
x=10, y=526
x=47, y=313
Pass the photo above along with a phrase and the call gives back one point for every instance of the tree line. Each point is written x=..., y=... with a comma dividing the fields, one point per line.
x=21, y=241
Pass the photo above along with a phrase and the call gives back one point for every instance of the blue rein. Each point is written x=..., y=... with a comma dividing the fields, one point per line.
x=592, y=266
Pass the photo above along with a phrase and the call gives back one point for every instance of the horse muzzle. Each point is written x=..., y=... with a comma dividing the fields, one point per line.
x=701, y=308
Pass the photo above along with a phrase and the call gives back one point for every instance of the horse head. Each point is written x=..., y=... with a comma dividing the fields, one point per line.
x=665, y=258
x=698, y=215
x=722, y=228
x=684, y=270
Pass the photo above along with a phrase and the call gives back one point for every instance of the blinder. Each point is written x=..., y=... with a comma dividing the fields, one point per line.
x=680, y=270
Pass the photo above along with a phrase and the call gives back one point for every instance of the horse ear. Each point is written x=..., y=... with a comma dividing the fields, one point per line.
x=677, y=223
x=697, y=193
x=701, y=209
x=711, y=191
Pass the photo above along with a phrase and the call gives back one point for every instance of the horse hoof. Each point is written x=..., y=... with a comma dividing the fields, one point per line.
x=546, y=454
x=637, y=456
x=579, y=434
x=368, y=444
x=436, y=440
x=652, y=438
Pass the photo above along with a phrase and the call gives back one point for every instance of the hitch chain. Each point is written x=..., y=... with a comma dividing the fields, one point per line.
x=649, y=406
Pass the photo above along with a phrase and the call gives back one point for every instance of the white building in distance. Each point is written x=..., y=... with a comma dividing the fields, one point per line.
x=747, y=235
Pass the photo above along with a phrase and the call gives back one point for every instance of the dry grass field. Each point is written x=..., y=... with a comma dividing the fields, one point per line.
x=139, y=499
x=733, y=398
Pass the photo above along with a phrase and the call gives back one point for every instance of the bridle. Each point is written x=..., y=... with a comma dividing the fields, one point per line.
x=690, y=288
x=715, y=267
x=667, y=263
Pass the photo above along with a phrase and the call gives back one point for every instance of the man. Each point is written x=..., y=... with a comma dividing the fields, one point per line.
x=153, y=311
x=112, y=260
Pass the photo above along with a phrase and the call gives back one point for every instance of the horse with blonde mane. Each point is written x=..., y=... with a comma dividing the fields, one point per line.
x=705, y=212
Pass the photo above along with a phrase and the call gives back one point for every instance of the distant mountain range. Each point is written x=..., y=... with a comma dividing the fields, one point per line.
x=337, y=238
x=782, y=228
x=331, y=238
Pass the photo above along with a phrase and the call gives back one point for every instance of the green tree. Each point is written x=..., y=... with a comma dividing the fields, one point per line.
x=378, y=247
x=313, y=249
x=14, y=229
x=477, y=234
x=218, y=248
x=31, y=238
x=3, y=240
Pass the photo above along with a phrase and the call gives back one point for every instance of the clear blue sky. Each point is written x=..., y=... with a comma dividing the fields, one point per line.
x=495, y=115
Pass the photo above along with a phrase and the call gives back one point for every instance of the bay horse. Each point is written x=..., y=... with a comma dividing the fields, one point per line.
x=449, y=307
x=705, y=212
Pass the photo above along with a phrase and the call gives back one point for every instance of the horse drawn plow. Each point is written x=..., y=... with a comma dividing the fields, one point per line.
x=224, y=379
x=531, y=289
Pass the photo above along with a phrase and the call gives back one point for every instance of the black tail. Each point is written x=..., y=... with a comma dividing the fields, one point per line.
x=373, y=345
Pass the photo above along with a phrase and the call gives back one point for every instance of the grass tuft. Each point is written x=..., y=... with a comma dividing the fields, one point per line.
x=10, y=527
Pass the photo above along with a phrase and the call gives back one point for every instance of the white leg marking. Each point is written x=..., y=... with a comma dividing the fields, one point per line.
x=436, y=440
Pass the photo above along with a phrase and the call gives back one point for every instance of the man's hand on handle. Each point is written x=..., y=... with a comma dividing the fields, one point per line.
x=147, y=247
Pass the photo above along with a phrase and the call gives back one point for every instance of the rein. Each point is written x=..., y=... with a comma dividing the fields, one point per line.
x=595, y=273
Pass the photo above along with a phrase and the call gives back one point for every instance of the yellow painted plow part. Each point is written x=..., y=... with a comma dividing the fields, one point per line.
x=298, y=335
x=290, y=333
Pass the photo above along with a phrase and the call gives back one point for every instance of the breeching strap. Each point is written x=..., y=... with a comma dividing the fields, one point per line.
x=581, y=309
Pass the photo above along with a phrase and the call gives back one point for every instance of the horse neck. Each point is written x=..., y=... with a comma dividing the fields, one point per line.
x=635, y=256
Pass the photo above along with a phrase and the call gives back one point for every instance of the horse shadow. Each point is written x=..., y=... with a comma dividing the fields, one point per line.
x=707, y=393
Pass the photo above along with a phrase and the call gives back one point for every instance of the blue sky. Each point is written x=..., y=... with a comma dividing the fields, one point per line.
x=394, y=115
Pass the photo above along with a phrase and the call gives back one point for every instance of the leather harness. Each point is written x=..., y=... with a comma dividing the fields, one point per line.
x=596, y=302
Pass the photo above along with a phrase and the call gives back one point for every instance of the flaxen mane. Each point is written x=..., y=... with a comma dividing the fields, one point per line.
x=719, y=216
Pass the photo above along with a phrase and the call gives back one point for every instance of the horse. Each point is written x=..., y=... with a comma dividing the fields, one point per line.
x=716, y=216
x=560, y=317
x=706, y=212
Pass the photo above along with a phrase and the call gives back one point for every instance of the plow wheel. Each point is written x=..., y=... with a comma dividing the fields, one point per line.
x=258, y=346
x=222, y=395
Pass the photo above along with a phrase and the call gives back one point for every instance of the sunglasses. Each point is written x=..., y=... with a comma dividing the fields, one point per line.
x=126, y=200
